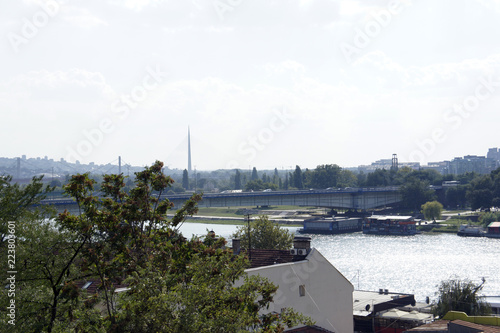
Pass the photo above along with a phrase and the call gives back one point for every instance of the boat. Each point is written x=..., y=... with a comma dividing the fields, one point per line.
x=390, y=225
x=467, y=230
x=493, y=230
x=331, y=225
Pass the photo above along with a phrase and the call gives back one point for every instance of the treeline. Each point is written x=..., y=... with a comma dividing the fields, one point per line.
x=471, y=190
x=417, y=186
x=121, y=264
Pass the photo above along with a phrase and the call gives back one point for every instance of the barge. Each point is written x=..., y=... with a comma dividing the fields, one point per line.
x=477, y=231
x=470, y=231
x=331, y=225
x=390, y=225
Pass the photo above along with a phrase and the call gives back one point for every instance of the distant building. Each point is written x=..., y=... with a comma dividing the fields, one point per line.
x=494, y=154
x=472, y=163
x=441, y=167
x=387, y=164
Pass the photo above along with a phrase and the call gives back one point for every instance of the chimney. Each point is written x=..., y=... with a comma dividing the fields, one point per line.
x=302, y=243
x=236, y=246
x=301, y=247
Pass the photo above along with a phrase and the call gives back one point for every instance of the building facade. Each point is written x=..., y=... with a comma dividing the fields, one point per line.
x=310, y=285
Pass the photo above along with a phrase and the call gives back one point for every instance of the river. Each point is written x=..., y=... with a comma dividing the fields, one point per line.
x=412, y=264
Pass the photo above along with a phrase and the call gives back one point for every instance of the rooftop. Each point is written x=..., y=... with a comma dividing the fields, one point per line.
x=368, y=302
x=309, y=329
x=261, y=258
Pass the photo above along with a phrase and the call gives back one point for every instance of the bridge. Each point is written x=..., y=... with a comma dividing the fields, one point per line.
x=349, y=198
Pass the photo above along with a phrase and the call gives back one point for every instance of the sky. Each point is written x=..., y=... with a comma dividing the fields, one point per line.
x=259, y=83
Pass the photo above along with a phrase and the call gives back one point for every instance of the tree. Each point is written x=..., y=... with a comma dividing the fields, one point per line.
x=460, y=295
x=264, y=234
x=456, y=196
x=415, y=193
x=379, y=177
x=16, y=201
x=185, y=179
x=254, y=176
x=347, y=179
x=325, y=176
x=237, y=180
x=47, y=298
x=488, y=217
x=432, y=210
x=259, y=185
x=174, y=284
x=297, y=178
x=276, y=177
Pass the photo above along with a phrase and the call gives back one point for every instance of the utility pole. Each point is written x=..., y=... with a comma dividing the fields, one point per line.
x=249, y=238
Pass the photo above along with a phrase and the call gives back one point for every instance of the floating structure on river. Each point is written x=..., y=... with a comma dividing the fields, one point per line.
x=468, y=230
x=390, y=225
x=331, y=225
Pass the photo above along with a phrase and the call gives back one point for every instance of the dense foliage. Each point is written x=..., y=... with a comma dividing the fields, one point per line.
x=149, y=277
x=264, y=234
x=460, y=295
x=432, y=210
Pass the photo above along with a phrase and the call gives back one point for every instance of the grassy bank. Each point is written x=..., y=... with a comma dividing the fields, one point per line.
x=240, y=211
x=448, y=226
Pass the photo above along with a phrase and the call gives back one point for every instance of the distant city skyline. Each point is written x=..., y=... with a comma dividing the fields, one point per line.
x=384, y=162
x=259, y=83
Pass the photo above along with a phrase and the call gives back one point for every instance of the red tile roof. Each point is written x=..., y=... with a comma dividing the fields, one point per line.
x=479, y=328
x=434, y=327
x=261, y=258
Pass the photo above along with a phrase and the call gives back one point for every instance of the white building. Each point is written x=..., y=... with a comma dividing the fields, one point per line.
x=308, y=283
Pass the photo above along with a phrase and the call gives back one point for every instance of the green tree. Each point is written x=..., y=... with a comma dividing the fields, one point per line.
x=460, y=295
x=456, y=196
x=415, y=193
x=126, y=238
x=47, y=298
x=480, y=193
x=379, y=177
x=237, y=180
x=487, y=218
x=16, y=201
x=324, y=176
x=264, y=234
x=259, y=185
x=276, y=177
x=297, y=178
x=432, y=210
x=255, y=175
x=185, y=179
x=347, y=179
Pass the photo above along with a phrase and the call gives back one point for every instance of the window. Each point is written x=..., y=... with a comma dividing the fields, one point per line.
x=302, y=290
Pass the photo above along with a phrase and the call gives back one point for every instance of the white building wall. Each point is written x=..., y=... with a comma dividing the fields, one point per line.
x=328, y=294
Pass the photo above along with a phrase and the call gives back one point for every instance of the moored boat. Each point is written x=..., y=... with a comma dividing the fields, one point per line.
x=331, y=225
x=466, y=230
x=390, y=225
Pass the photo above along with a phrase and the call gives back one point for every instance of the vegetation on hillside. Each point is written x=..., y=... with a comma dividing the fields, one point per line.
x=124, y=239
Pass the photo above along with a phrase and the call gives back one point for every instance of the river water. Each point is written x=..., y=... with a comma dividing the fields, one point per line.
x=404, y=264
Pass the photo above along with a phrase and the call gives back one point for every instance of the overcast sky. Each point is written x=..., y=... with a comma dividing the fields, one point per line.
x=260, y=83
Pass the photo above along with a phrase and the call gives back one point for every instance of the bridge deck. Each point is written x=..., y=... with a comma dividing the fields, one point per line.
x=354, y=198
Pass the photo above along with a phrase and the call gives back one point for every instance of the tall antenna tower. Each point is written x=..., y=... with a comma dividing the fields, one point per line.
x=189, y=151
x=395, y=164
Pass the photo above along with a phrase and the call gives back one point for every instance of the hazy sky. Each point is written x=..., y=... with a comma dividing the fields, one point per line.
x=259, y=82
